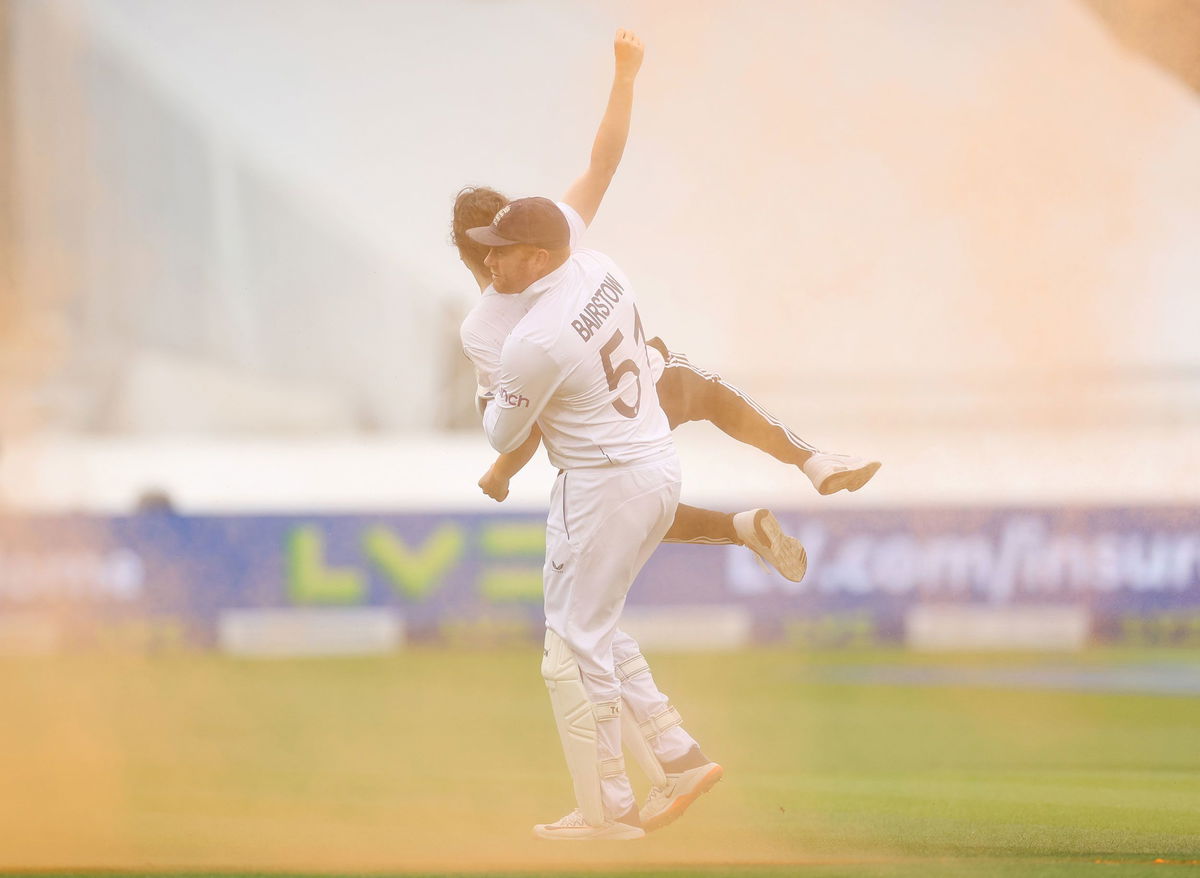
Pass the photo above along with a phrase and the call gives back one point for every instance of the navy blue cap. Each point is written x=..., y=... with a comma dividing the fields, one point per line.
x=538, y=221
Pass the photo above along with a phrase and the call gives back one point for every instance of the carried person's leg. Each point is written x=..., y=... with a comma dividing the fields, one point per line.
x=688, y=393
x=694, y=524
x=756, y=529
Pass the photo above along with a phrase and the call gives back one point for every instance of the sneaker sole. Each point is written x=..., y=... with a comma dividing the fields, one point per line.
x=681, y=804
x=791, y=559
x=850, y=480
x=625, y=833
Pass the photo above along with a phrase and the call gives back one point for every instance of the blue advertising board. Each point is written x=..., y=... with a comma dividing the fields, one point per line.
x=463, y=576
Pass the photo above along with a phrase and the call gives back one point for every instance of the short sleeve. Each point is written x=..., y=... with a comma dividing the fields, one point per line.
x=484, y=357
x=574, y=222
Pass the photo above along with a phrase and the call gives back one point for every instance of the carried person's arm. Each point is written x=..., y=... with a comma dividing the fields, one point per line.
x=586, y=193
x=495, y=481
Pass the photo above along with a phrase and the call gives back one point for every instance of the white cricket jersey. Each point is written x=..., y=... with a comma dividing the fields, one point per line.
x=577, y=364
x=484, y=330
x=488, y=324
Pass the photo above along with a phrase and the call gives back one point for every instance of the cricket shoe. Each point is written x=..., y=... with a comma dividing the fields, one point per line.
x=832, y=472
x=666, y=803
x=761, y=533
x=574, y=828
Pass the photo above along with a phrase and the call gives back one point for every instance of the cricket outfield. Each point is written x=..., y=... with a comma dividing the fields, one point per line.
x=433, y=761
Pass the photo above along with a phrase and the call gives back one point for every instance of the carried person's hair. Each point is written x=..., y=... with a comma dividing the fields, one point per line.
x=474, y=206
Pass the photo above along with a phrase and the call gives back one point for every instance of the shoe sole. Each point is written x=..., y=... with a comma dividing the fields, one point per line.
x=850, y=480
x=681, y=804
x=792, y=560
x=625, y=833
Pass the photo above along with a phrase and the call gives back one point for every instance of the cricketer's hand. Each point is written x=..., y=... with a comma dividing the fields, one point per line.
x=495, y=486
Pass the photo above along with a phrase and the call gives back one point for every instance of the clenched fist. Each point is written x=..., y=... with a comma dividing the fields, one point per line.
x=629, y=50
x=495, y=486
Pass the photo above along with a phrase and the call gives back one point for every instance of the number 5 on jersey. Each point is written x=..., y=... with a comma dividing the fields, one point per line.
x=614, y=375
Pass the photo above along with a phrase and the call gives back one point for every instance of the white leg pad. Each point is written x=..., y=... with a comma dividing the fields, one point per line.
x=667, y=718
x=614, y=767
x=604, y=711
x=632, y=666
x=634, y=737
x=576, y=719
x=640, y=749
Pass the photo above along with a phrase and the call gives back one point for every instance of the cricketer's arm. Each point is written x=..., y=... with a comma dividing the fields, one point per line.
x=528, y=378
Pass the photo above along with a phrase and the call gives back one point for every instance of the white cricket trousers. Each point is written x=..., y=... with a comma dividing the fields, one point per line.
x=604, y=524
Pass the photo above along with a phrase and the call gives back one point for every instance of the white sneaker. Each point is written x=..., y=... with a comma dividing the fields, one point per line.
x=831, y=472
x=665, y=804
x=574, y=828
x=761, y=533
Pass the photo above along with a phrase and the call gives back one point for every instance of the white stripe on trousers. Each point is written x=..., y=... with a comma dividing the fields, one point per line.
x=679, y=361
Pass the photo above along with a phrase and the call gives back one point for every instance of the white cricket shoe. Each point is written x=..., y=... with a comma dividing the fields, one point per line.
x=832, y=472
x=761, y=533
x=666, y=804
x=574, y=828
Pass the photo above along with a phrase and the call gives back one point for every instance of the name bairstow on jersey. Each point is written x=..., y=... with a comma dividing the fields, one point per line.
x=599, y=308
x=590, y=319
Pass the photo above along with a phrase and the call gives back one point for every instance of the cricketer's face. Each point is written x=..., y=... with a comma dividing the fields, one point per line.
x=515, y=267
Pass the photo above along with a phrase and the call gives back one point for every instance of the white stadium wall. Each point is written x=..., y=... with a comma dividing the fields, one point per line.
x=962, y=237
x=179, y=256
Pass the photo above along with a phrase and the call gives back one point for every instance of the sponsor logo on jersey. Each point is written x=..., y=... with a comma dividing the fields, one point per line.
x=513, y=400
x=598, y=308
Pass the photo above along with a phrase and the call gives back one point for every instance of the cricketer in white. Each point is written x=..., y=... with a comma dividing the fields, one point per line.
x=592, y=390
x=576, y=365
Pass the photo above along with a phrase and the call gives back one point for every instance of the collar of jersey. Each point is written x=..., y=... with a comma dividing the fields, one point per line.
x=542, y=284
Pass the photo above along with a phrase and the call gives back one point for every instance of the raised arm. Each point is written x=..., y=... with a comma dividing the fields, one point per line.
x=586, y=193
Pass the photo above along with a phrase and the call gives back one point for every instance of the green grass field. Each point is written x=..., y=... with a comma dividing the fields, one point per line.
x=438, y=762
